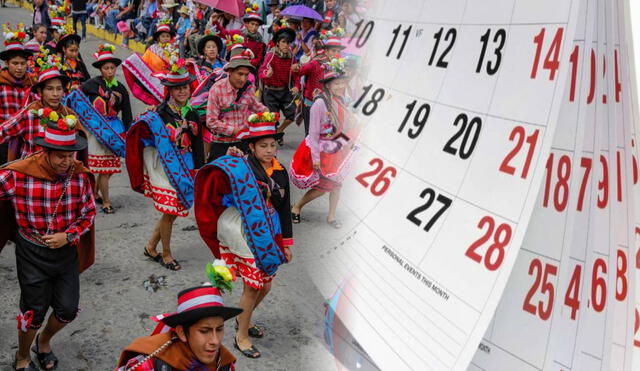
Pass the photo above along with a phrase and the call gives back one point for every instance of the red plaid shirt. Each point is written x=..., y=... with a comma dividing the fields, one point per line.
x=313, y=73
x=34, y=201
x=281, y=72
x=11, y=100
x=224, y=115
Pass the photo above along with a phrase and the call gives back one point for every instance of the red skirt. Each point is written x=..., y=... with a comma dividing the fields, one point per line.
x=333, y=168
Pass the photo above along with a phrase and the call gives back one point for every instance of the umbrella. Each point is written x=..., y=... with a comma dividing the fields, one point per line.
x=233, y=7
x=301, y=11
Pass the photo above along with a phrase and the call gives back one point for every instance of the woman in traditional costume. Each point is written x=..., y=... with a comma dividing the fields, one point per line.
x=156, y=56
x=109, y=97
x=322, y=159
x=164, y=147
x=210, y=49
x=69, y=48
x=249, y=227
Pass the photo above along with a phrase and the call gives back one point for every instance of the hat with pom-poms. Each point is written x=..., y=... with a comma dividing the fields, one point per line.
x=104, y=55
x=164, y=25
x=49, y=66
x=239, y=56
x=251, y=14
x=261, y=125
x=13, y=42
x=178, y=74
x=332, y=38
x=335, y=69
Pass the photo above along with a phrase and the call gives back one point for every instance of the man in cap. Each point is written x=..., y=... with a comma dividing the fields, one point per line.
x=52, y=211
x=231, y=100
x=14, y=81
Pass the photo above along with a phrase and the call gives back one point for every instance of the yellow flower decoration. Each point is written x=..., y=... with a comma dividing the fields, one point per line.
x=53, y=116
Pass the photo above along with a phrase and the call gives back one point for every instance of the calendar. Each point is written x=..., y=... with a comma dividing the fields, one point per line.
x=493, y=205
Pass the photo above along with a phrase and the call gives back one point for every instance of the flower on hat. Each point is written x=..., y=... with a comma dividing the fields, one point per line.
x=211, y=31
x=264, y=117
x=220, y=275
x=15, y=35
x=165, y=20
x=235, y=40
x=254, y=8
x=106, y=47
x=337, y=65
x=53, y=116
x=336, y=32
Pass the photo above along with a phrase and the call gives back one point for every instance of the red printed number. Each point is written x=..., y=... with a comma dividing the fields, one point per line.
x=382, y=182
x=561, y=180
x=572, y=296
x=552, y=60
x=546, y=288
x=621, y=277
x=494, y=254
x=518, y=135
x=598, y=285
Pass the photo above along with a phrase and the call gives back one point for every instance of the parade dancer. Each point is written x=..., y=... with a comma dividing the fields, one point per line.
x=109, y=97
x=210, y=49
x=163, y=149
x=54, y=212
x=25, y=125
x=252, y=36
x=15, y=83
x=155, y=56
x=251, y=229
x=69, y=48
x=191, y=337
x=231, y=100
x=313, y=71
x=279, y=81
x=322, y=159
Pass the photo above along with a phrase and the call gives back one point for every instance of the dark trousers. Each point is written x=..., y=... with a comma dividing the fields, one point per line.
x=4, y=149
x=47, y=278
x=306, y=115
x=83, y=21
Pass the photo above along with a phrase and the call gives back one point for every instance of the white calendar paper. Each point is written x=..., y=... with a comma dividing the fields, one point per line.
x=492, y=204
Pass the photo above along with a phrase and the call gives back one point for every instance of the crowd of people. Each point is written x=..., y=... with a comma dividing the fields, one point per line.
x=220, y=90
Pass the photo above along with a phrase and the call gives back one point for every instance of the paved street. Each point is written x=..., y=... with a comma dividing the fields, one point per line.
x=116, y=307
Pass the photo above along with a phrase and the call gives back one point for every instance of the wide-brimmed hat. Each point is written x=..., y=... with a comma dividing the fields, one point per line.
x=49, y=67
x=164, y=26
x=251, y=14
x=68, y=34
x=105, y=55
x=13, y=43
x=183, y=10
x=59, y=132
x=334, y=70
x=284, y=31
x=239, y=56
x=169, y=4
x=261, y=125
x=197, y=303
x=211, y=34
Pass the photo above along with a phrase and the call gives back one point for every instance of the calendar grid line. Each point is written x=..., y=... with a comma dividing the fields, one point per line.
x=540, y=254
x=513, y=355
x=591, y=355
x=425, y=332
x=453, y=324
x=357, y=277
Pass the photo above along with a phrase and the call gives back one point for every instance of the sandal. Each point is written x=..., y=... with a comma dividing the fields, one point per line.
x=295, y=218
x=172, y=265
x=255, y=331
x=335, y=223
x=250, y=352
x=98, y=200
x=108, y=209
x=30, y=367
x=157, y=258
x=44, y=359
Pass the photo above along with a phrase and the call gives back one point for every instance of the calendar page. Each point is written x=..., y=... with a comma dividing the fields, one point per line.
x=459, y=109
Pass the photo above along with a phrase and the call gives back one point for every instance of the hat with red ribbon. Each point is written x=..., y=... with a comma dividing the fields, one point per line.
x=58, y=132
x=239, y=56
x=261, y=125
x=201, y=301
x=332, y=38
x=104, y=55
x=13, y=42
x=164, y=25
x=178, y=73
x=57, y=14
x=68, y=36
x=335, y=69
x=49, y=66
x=251, y=14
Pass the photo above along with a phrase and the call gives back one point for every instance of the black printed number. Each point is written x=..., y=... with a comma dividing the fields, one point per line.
x=498, y=38
x=396, y=32
x=365, y=32
x=419, y=119
x=430, y=196
x=450, y=37
x=469, y=131
x=372, y=105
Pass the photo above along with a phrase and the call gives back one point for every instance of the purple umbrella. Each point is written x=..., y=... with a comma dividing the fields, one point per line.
x=301, y=11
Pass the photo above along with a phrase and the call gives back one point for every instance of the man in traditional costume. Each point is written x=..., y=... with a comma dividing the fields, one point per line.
x=252, y=36
x=48, y=204
x=231, y=100
x=15, y=83
x=190, y=338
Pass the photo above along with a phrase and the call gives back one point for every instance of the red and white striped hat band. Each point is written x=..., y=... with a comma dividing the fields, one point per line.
x=57, y=21
x=333, y=41
x=13, y=45
x=103, y=55
x=163, y=28
x=200, y=298
x=59, y=137
x=175, y=78
x=258, y=129
x=47, y=74
x=253, y=16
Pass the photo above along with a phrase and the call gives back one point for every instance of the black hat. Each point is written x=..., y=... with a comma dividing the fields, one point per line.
x=105, y=55
x=197, y=303
x=162, y=28
x=64, y=40
x=14, y=44
x=284, y=31
x=60, y=135
x=5, y=55
x=203, y=41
